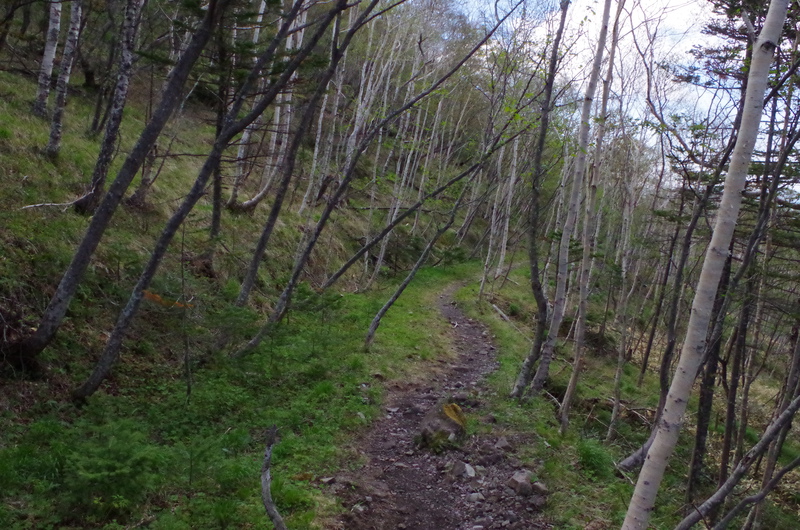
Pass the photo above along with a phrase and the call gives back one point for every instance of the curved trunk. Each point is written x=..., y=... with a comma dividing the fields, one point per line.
x=30, y=348
x=524, y=376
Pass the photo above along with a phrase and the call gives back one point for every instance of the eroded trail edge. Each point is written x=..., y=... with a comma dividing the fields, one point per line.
x=476, y=486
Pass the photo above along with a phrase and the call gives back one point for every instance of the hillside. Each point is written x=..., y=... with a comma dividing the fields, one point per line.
x=396, y=265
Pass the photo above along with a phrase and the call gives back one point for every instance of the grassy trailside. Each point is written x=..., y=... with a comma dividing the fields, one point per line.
x=192, y=460
x=579, y=467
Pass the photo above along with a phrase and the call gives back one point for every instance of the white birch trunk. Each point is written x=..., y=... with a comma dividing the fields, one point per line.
x=48, y=58
x=67, y=60
x=559, y=303
x=644, y=496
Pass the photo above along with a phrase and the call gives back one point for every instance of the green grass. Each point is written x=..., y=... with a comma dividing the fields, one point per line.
x=578, y=467
x=180, y=443
x=192, y=460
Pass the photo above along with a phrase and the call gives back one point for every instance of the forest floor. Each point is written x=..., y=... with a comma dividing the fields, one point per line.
x=403, y=485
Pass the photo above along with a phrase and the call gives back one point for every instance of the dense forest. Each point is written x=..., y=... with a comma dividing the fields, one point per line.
x=229, y=226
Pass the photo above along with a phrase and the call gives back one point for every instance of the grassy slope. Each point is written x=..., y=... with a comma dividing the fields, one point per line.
x=179, y=444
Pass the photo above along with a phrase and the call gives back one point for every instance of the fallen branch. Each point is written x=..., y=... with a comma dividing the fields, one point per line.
x=266, y=494
x=507, y=319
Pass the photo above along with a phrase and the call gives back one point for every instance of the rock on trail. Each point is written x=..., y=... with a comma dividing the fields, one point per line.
x=454, y=483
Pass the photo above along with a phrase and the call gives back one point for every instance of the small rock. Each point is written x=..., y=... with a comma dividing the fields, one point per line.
x=540, y=488
x=368, y=499
x=478, y=527
x=538, y=502
x=461, y=398
x=503, y=445
x=462, y=469
x=392, y=410
x=490, y=459
x=521, y=483
x=475, y=497
x=328, y=480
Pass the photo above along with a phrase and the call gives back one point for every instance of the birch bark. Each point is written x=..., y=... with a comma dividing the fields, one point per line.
x=560, y=299
x=67, y=60
x=647, y=485
x=48, y=58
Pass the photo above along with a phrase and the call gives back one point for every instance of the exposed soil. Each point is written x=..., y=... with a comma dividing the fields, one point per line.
x=403, y=486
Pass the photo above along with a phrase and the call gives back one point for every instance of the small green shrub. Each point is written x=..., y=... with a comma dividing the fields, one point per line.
x=595, y=459
x=111, y=472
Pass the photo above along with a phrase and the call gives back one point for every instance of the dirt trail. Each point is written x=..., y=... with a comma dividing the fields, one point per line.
x=404, y=487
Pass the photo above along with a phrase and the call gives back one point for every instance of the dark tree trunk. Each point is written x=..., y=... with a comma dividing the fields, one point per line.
x=24, y=355
x=707, y=392
x=534, y=231
x=88, y=203
x=231, y=128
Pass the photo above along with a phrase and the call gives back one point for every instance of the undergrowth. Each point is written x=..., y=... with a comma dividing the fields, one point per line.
x=579, y=466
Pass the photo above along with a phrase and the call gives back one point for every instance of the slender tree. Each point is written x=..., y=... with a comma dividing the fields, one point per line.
x=650, y=477
x=24, y=354
x=48, y=58
x=560, y=296
x=62, y=85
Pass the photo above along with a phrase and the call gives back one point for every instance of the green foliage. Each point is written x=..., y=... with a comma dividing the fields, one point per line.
x=594, y=458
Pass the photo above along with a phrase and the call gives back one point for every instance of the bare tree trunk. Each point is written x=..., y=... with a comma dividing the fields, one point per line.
x=376, y=321
x=266, y=481
x=770, y=434
x=704, y=407
x=534, y=234
x=91, y=199
x=560, y=299
x=48, y=58
x=662, y=290
x=30, y=347
x=589, y=239
x=347, y=176
x=62, y=85
x=739, y=345
x=650, y=477
x=282, y=123
x=231, y=129
x=790, y=390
